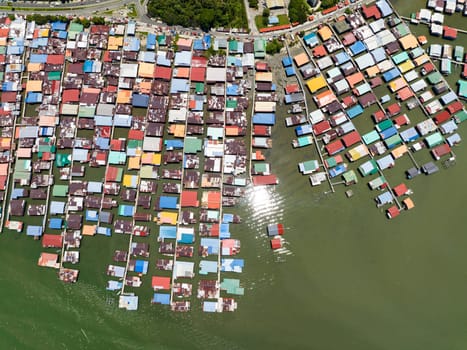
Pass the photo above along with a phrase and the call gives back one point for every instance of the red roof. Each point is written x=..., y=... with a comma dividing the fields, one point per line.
x=402, y=120
x=135, y=134
x=292, y=88
x=105, y=131
x=164, y=73
x=117, y=145
x=198, y=74
x=265, y=180
x=276, y=243
x=441, y=117
x=159, y=282
x=400, y=189
x=393, y=212
x=319, y=51
x=404, y=93
x=321, y=127
x=351, y=138
x=4, y=32
x=441, y=150
x=464, y=72
x=199, y=61
x=449, y=33
x=329, y=10
x=261, y=130
x=349, y=101
x=99, y=28
x=107, y=56
x=55, y=59
x=8, y=96
x=371, y=12
x=3, y=182
x=379, y=116
x=214, y=230
x=214, y=199
x=262, y=66
x=71, y=95
x=334, y=147
x=428, y=67
x=393, y=109
x=76, y=68
x=189, y=199
x=454, y=107
x=111, y=173
x=51, y=241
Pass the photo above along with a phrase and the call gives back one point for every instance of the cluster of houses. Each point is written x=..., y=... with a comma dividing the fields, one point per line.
x=106, y=131
x=447, y=6
x=369, y=63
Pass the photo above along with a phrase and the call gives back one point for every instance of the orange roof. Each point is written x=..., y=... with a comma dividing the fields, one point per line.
x=115, y=42
x=301, y=59
x=146, y=70
x=35, y=67
x=124, y=96
x=184, y=42
x=182, y=72
x=189, y=199
x=89, y=230
x=211, y=199
x=134, y=162
x=159, y=282
x=34, y=85
x=354, y=79
x=48, y=260
x=145, y=87
x=325, y=33
x=408, y=42
x=372, y=71
x=47, y=121
x=178, y=130
x=232, y=130
x=151, y=158
x=408, y=203
x=3, y=169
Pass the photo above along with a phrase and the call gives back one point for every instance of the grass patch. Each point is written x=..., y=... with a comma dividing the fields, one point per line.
x=283, y=19
x=132, y=13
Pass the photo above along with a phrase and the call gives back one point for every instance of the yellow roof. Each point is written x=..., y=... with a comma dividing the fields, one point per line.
x=166, y=217
x=34, y=85
x=301, y=59
x=178, y=130
x=325, y=33
x=406, y=66
x=124, y=96
x=151, y=158
x=316, y=83
x=115, y=42
x=134, y=162
x=43, y=33
x=408, y=42
x=263, y=76
x=129, y=180
x=146, y=70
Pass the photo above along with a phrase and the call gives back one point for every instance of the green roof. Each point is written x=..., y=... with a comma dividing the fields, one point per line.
x=232, y=286
x=385, y=124
x=370, y=137
x=192, y=145
x=199, y=88
x=261, y=167
x=133, y=144
x=233, y=45
x=2, y=50
x=86, y=111
x=161, y=39
x=393, y=141
x=434, y=139
x=231, y=104
x=54, y=76
x=350, y=177
x=62, y=160
x=434, y=78
x=400, y=57
x=60, y=190
x=402, y=29
x=117, y=157
x=462, y=88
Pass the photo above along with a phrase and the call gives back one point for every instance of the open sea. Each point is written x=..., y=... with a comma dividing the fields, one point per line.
x=347, y=278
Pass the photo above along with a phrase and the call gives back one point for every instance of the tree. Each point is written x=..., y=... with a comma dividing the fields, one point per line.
x=274, y=47
x=298, y=11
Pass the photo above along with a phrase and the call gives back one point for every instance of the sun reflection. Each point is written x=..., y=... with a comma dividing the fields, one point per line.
x=264, y=204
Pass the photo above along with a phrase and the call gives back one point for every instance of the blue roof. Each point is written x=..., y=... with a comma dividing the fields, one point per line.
x=385, y=197
x=141, y=266
x=34, y=231
x=287, y=61
x=126, y=210
x=101, y=120
x=58, y=26
x=179, y=85
x=391, y=74
x=289, y=71
x=161, y=298
x=232, y=90
x=62, y=34
x=224, y=231
x=273, y=20
x=140, y=100
x=39, y=42
x=131, y=44
x=264, y=118
x=384, y=8
x=388, y=132
x=7, y=86
x=147, y=56
x=212, y=245
x=409, y=135
x=207, y=40
x=173, y=144
x=38, y=58
x=207, y=266
x=357, y=47
x=168, y=202
x=151, y=41
x=354, y=111
x=33, y=97
x=311, y=39
x=232, y=265
x=123, y=120
x=163, y=61
x=342, y=57
x=94, y=187
x=92, y=215
x=210, y=306
x=17, y=193
x=227, y=218
x=103, y=143
x=55, y=223
x=167, y=232
x=378, y=54
x=46, y=131
x=183, y=58
x=198, y=44
x=87, y=66
x=186, y=238
x=14, y=50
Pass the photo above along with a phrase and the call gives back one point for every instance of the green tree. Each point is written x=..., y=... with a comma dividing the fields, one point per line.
x=298, y=11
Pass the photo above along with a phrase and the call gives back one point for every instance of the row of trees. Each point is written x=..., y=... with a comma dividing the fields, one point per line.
x=205, y=14
x=43, y=19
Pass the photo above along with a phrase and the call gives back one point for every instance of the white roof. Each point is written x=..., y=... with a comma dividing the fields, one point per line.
x=216, y=74
x=129, y=70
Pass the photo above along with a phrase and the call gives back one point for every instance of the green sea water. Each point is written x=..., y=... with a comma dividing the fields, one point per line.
x=350, y=278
